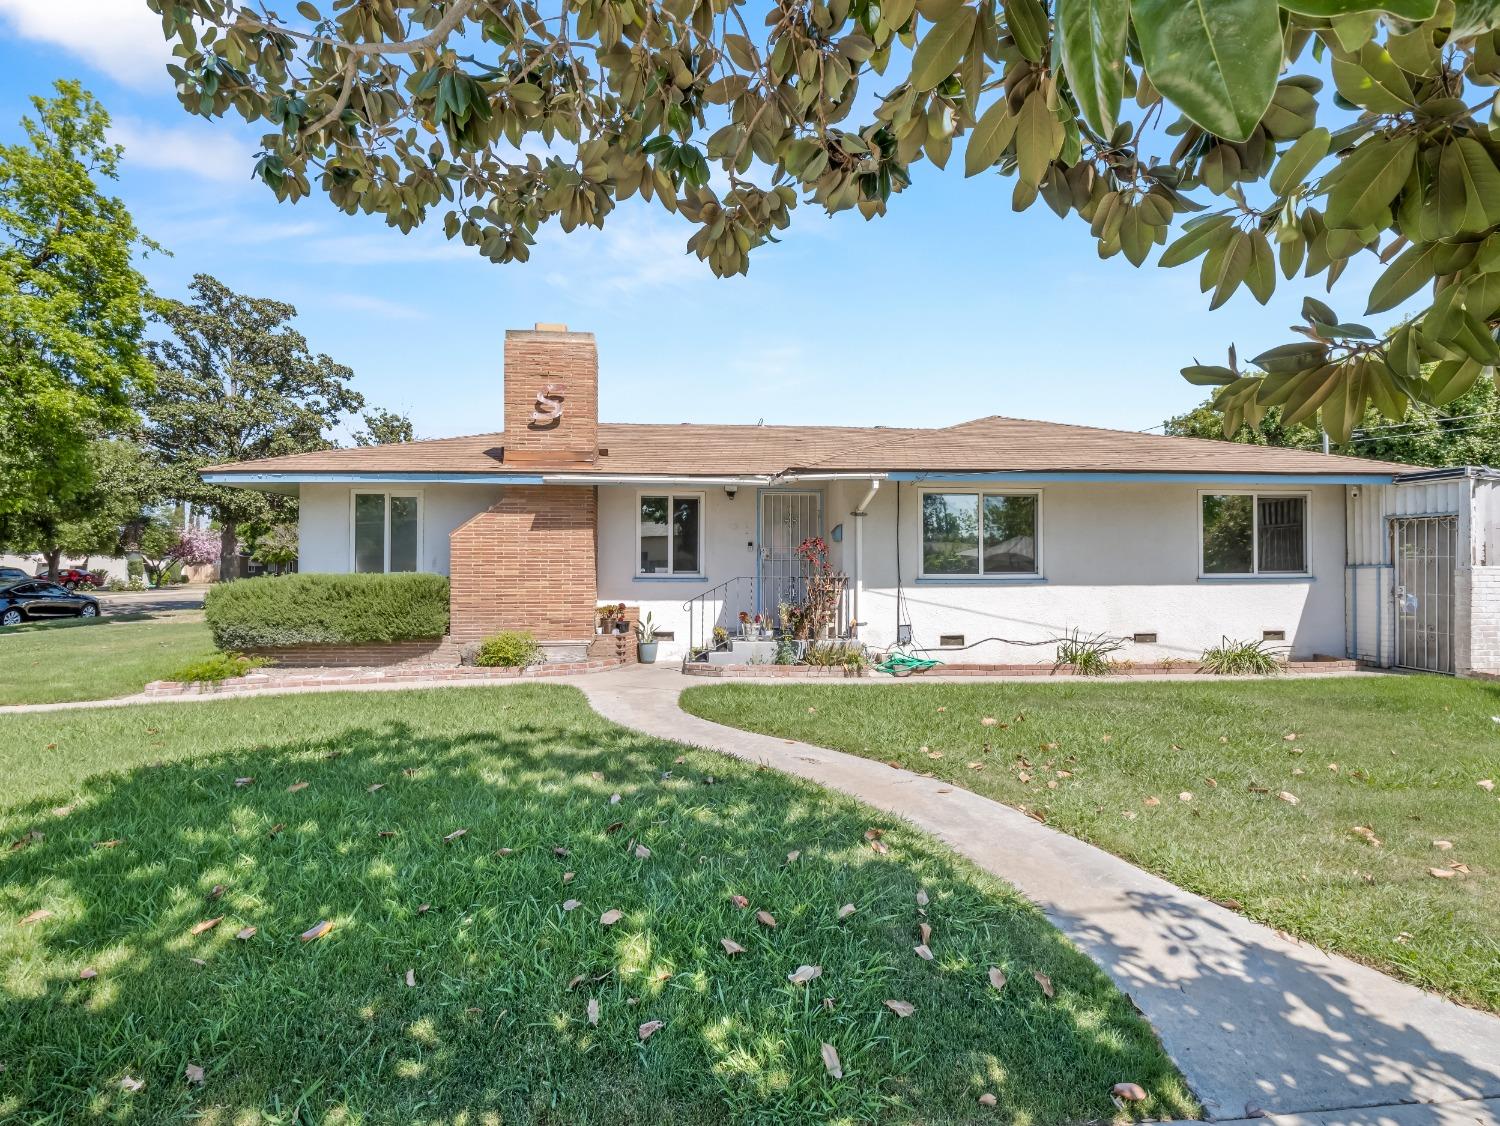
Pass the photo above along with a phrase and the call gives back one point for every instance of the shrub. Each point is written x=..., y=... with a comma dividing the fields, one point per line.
x=327, y=610
x=836, y=654
x=219, y=667
x=1087, y=654
x=512, y=649
x=786, y=651
x=1241, y=658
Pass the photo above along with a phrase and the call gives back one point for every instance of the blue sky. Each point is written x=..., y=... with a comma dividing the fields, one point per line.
x=950, y=307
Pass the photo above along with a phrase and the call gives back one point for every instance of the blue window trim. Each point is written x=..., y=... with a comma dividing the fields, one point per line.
x=700, y=578
x=1252, y=579
x=1155, y=477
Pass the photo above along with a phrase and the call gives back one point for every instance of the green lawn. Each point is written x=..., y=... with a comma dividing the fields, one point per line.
x=71, y=660
x=1393, y=757
x=140, y=820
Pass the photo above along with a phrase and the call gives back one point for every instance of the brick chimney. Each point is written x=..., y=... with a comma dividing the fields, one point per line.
x=551, y=397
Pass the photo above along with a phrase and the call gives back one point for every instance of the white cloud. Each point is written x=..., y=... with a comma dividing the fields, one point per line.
x=122, y=38
x=375, y=306
x=211, y=151
x=635, y=250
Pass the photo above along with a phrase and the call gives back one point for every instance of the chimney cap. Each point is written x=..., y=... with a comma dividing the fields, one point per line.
x=550, y=326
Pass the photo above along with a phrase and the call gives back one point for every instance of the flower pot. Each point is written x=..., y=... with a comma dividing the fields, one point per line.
x=647, y=652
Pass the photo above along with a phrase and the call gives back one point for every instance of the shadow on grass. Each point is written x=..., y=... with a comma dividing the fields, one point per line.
x=297, y=1030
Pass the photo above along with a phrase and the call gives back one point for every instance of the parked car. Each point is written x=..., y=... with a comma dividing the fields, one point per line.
x=71, y=578
x=12, y=574
x=36, y=600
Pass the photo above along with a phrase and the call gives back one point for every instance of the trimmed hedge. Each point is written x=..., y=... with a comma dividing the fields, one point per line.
x=287, y=610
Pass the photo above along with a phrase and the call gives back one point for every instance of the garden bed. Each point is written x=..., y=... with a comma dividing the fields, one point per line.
x=1138, y=668
x=789, y=672
x=275, y=680
x=348, y=656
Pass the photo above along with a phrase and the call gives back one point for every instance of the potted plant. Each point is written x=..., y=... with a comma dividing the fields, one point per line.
x=645, y=632
x=744, y=623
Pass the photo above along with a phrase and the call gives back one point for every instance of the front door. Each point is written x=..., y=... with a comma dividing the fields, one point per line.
x=786, y=519
x=1424, y=549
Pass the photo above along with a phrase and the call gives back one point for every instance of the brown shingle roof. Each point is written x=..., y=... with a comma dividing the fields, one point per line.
x=993, y=444
x=1017, y=445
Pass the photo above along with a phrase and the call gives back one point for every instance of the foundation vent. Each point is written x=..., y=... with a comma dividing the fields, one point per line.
x=951, y=641
x=1143, y=638
x=1273, y=635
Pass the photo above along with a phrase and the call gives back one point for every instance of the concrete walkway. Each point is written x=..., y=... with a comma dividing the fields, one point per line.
x=1260, y=1025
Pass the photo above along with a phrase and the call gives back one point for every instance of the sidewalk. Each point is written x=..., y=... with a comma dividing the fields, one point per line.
x=1258, y=1023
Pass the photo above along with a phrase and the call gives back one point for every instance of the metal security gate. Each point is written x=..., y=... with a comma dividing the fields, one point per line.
x=1424, y=550
x=786, y=519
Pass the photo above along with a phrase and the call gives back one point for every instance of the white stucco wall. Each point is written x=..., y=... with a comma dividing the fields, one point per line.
x=324, y=515
x=1117, y=558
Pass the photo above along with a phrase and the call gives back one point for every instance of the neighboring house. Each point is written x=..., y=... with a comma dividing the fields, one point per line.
x=991, y=538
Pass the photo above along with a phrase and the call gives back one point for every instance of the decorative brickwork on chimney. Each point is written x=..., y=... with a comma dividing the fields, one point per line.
x=551, y=397
x=528, y=563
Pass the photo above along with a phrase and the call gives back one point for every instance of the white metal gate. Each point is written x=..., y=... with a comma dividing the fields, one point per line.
x=786, y=519
x=1424, y=549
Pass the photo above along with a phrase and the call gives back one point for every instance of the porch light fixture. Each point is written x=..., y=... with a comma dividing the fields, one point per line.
x=730, y=490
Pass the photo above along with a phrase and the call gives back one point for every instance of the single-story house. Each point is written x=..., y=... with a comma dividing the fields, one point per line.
x=990, y=538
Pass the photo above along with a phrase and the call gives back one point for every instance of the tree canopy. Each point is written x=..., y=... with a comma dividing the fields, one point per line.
x=502, y=115
x=72, y=305
x=234, y=381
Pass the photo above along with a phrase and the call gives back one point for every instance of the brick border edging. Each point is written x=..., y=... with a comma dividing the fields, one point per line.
x=255, y=682
x=800, y=672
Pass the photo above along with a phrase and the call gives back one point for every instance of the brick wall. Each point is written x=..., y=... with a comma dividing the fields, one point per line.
x=1477, y=620
x=345, y=656
x=528, y=563
x=543, y=357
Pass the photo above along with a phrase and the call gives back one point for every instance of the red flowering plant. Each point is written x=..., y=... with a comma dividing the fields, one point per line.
x=822, y=588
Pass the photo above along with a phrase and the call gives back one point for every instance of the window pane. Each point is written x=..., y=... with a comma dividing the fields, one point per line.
x=1283, y=537
x=685, y=535
x=1228, y=535
x=403, y=533
x=950, y=534
x=369, y=532
x=653, y=535
x=1010, y=535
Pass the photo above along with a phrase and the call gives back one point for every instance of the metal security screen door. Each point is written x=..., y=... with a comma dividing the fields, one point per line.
x=1424, y=553
x=786, y=519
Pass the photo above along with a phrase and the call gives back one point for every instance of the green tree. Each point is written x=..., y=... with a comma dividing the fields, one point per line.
x=383, y=428
x=72, y=306
x=235, y=381
x=1465, y=432
x=1131, y=114
x=104, y=516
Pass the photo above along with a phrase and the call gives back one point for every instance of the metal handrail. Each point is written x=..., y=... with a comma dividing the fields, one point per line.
x=697, y=607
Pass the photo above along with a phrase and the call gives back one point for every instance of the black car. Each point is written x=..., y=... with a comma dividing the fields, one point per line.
x=36, y=600
x=12, y=575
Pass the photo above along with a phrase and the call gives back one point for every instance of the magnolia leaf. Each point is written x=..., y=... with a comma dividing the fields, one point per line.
x=901, y=1008
x=593, y=1011
x=1128, y=1092
x=765, y=918
x=411, y=979
x=831, y=1061
x=997, y=977
x=989, y=138
x=739, y=901
x=611, y=917
x=571, y=904
x=1414, y=10
x=1038, y=138
x=35, y=917
x=1294, y=165
x=650, y=1029
x=1026, y=20
x=642, y=852
x=1412, y=269
x=922, y=952
x=206, y=925
x=941, y=50
x=453, y=836
x=988, y=1099
x=731, y=947
x=244, y=934
x=804, y=974
x=1045, y=982
x=317, y=930
x=1217, y=62
x=1368, y=181
x=846, y=910
x=1092, y=36
x=193, y=1074
x=295, y=787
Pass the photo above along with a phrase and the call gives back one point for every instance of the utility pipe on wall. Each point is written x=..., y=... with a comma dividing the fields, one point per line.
x=859, y=513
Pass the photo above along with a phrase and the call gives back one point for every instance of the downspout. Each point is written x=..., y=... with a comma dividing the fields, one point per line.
x=859, y=513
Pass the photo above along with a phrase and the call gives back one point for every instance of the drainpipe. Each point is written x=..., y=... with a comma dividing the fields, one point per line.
x=859, y=512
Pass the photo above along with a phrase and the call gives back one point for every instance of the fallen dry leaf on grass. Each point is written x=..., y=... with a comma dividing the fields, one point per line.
x=831, y=1061
x=296, y=786
x=36, y=917
x=987, y=1099
x=216, y=891
x=846, y=910
x=922, y=952
x=901, y=1008
x=574, y=982
x=411, y=979
x=1442, y=846
x=613, y=827
x=594, y=1011
x=1044, y=981
x=880, y=846
x=926, y=929
x=1487, y=785
x=1459, y=866
x=568, y=877
x=1441, y=873
x=317, y=930
x=504, y=852
x=922, y=897
x=610, y=917
x=571, y=904
x=113, y=842
x=374, y=787
x=130, y=1083
x=739, y=901
x=453, y=836
x=1290, y=799
x=1185, y=796
x=206, y=925
x=30, y=838
x=245, y=933
x=1128, y=1093
x=280, y=825
x=804, y=974
x=88, y=973
x=792, y=856
x=193, y=1074
x=244, y=781
x=642, y=852
x=560, y=851
x=997, y=977
x=765, y=918
x=731, y=946
x=989, y=721
x=1365, y=833
x=650, y=1029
